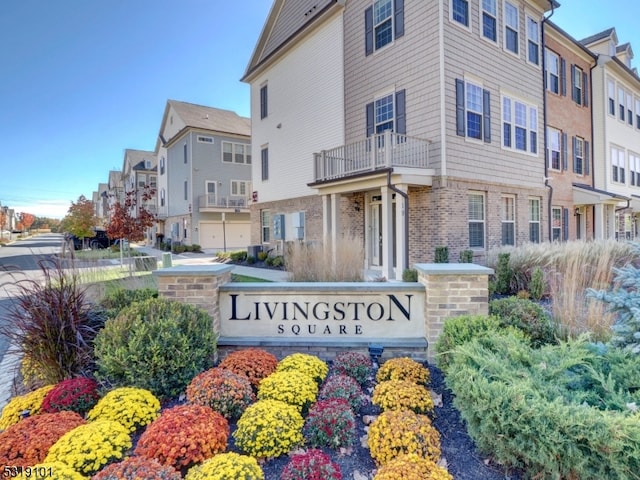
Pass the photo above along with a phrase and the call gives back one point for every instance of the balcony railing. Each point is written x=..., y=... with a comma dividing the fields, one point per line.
x=217, y=201
x=383, y=150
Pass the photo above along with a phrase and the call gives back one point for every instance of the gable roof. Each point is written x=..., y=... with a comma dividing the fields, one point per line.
x=286, y=20
x=137, y=159
x=600, y=36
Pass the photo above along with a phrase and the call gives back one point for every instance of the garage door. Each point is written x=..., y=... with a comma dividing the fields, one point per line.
x=235, y=235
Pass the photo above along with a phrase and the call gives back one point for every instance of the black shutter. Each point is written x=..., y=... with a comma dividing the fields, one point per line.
x=460, y=122
x=563, y=77
x=370, y=120
x=575, y=157
x=585, y=89
x=587, y=157
x=573, y=85
x=398, y=18
x=565, y=165
x=486, y=115
x=401, y=118
x=368, y=31
x=565, y=224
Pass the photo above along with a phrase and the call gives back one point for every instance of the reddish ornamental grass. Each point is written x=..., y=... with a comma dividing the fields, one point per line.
x=137, y=468
x=254, y=363
x=27, y=442
x=184, y=435
x=78, y=394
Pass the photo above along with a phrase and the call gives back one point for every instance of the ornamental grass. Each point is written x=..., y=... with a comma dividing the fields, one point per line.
x=402, y=395
x=345, y=387
x=412, y=467
x=49, y=471
x=310, y=365
x=227, y=466
x=137, y=468
x=184, y=435
x=403, y=368
x=88, y=448
x=311, y=465
x=293, y=387
x=254, y=363
x=131, y=407
x=223, y=390
x=330, y=423
x=397, y=432
x=28, y=441
x=78, y=394
x=269, y=428
x=355, y=364
x=30, y=402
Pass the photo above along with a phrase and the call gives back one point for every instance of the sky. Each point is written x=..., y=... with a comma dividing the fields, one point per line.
x=83, y=80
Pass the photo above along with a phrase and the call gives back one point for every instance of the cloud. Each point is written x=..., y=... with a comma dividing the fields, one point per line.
x=44, y=208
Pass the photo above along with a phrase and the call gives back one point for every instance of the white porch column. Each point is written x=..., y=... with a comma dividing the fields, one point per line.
x=599, y=222
x=336, y=229
x=401, y=233
x=326, y=217
x=387, y=233
x=611, y=221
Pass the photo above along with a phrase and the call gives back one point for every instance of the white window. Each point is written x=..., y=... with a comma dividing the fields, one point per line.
x=511, y=27
x=611, y=86
x=534, y=220
x=533, y=41
x=460, y=11
x=637, y=113
x=236, y=153
x=476, y=220
x=520, y=125
x=553, y=150
x=153, y=181
x=508, y=220
x=473, y=104
x=630, y=109
x=382, y=22
x=617, y=165
x=576, y=83
x=634, y=169
x=489, y=20
x=265, y=217
x=578, y=155
x=556, y=223
x=204, y=139
x=239, y=188
x=384, y=113
x=162, y=197
x=553, y=69
x=621, y=102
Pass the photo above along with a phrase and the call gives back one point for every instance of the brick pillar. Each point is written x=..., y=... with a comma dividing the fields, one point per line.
x=196, y=285
x=452, y=289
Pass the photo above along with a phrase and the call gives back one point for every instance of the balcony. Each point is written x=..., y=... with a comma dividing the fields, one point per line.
x=384, y=150
x=212, y=202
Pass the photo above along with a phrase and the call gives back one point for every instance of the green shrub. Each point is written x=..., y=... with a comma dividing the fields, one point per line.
x=442, y=255
x=262, y=256
x=238, y=256
x=196, y=248
x=410, y=275
x=179, y=248
x=561, y=411
x=269, y=261
x=116, y=300
x=251, y=259
x=157, y=344
x=525, y=315
x=503, y=274
x=537, y=284
x=466, y=256
x=462, y=329
x=277, y=261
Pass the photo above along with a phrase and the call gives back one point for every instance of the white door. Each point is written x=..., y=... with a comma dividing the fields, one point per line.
x=375, y=237
x=211, y=194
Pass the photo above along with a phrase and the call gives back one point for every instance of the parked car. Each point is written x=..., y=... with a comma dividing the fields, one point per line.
x=100, y=240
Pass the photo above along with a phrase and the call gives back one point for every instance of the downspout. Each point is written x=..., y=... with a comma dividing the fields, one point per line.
x=592, y=148
x=544, y=122
x=405, y=196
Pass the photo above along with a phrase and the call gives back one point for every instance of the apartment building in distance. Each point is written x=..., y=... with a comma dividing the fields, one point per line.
x=616, y=132
x=396, y=122
x=204, y=176
x=574, y=202
x=140, y=181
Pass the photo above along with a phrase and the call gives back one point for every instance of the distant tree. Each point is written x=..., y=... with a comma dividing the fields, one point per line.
x=46, y=223
x=26, y=219
x=81, y=218
x=3, y=219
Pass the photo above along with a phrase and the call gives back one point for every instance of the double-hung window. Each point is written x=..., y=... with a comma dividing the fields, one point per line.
x=617, y=165
x=637, y=113
x=184, y=153
x=556, y=223
x=489, y=20
x=634, y=169
x=621, y=102
x=239, y=188
x=553, y=149
x=578, y=155
x=534, y=220
x=511, y=27
x=630, y=109
x=533, y=41
x=384, y=114
x=611, y=87
x=265, y=220
x=387, y=113
x=519, y=125
x=476, y=220
x=576, y=84
x=383, y=22
x=508, y=220
x=473, y=111
x=553, y=72
x=460, y=11
x=264, y=158
x=264, y=101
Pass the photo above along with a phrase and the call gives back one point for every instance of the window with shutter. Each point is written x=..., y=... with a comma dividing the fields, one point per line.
x=383, y=22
